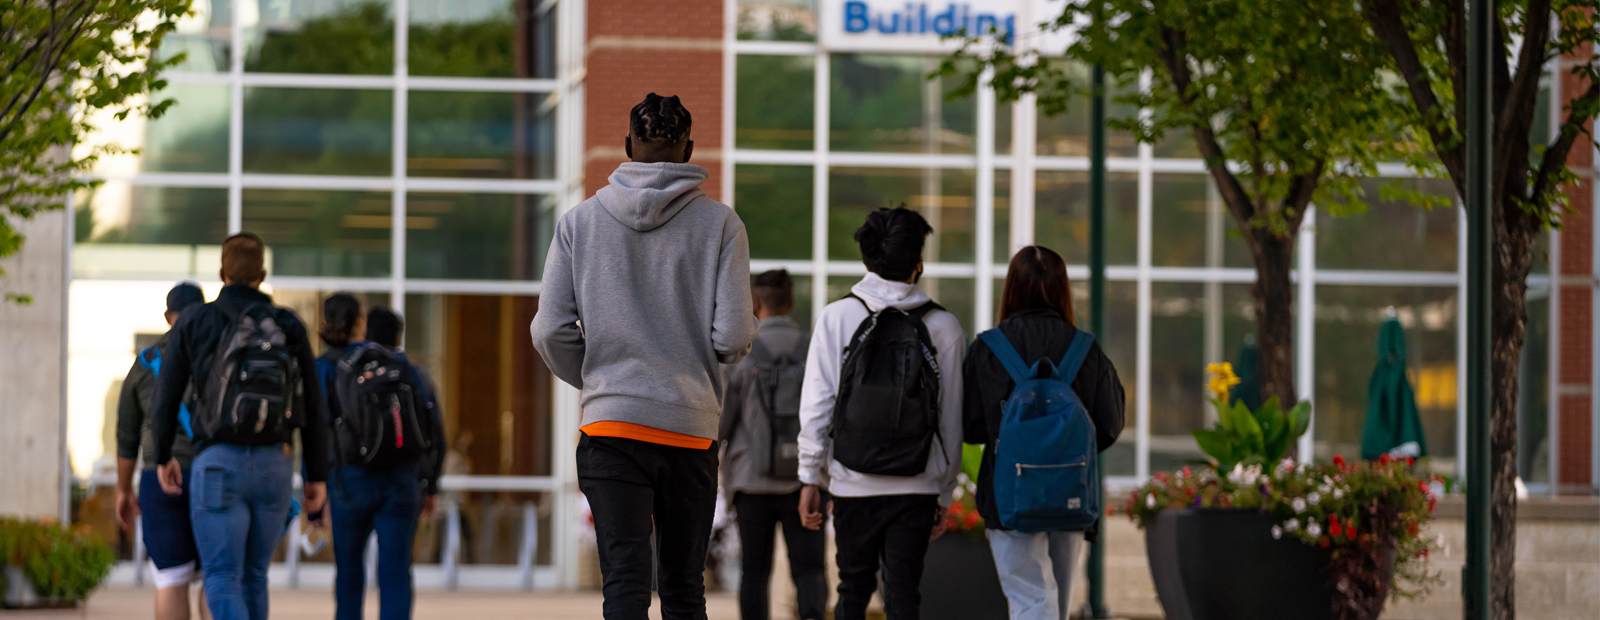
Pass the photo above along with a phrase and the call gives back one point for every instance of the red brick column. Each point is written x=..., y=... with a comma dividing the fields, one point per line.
x=636, y=48
x=1575, y=283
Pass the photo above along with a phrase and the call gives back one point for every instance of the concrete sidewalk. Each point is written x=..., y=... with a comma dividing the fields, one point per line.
x=310, y=604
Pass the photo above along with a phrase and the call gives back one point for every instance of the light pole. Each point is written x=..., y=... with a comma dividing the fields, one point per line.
x=1480, y=269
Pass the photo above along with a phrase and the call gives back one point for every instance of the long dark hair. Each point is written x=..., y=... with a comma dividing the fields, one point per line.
x=339, y=315
x=1037, y=280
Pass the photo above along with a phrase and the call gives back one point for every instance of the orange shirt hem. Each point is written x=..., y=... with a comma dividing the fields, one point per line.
x=637, y=432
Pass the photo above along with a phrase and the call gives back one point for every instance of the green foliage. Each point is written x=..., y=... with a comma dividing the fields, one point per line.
x=62, y=563
x=356, y=40
x=1253, y=438
x=61, y=62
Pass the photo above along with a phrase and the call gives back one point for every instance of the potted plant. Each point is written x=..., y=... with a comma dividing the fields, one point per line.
x=959, y=580
x=1254, y=535
x=43, y=564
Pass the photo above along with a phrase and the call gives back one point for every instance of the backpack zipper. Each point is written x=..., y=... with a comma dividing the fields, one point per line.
x=394, y=411
x=1021, y=466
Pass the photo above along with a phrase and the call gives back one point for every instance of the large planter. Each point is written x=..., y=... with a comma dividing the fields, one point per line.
x=20, y=594
x=1223, y=564
x=959, y=581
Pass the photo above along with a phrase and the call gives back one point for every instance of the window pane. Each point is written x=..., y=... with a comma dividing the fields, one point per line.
x=1533, y=397
x=191, y=136
x=1118, y=342
x=944, y=196
x=1191, y=325
x=481, y=38
x=776, y=102
x=1348, y=321
x=802, y=300
x=1192, y=227
x=205, y=36
x=778, y=20
x=775, y=204
x=318, y=131
x=319, y=36
x=1061, y=215
x=1067, y=133
x=477, y=236
x=169, y=231
x=956, y=295
x=1392, y=233
x=481, y=135
x=886, y=104
x=307, y=305
x=322, y=233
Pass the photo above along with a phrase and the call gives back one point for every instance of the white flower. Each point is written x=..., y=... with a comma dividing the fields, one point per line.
x=1292, y=526
x=1299, y=505
x=1324, y=489
x=1315, y=498
x=1286, y=465
x=1150, y=500
x=1314, y=529
x=1277, y=532
x=1338, y=493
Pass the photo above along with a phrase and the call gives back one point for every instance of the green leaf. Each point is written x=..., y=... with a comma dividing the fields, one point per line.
x=1217, y=445
x=1299, y=419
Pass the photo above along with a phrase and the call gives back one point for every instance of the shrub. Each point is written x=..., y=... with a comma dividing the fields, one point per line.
x=63, y=563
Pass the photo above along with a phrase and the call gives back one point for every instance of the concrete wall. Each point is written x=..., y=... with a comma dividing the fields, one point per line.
x=32, y=351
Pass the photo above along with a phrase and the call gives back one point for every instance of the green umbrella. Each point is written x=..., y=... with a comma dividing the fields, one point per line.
x=1249, y=371
x=1393, y=426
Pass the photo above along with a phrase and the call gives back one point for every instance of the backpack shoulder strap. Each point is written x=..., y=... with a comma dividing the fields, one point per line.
x=1006, y=353
x=1067, y=370
x=150, y=359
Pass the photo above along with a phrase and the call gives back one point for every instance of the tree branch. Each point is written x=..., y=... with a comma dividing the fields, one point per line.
x=1555, y=157
x=1455, y=46
x=47, y=63
x=1233, y=194
x=1387, y=21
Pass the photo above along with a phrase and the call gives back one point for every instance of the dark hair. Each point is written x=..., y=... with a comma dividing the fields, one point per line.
x=1037, y=279
x=340, y=311
x=775, y=289
x=659, y=120
x=891, y=242
x=243, y=259
x=384, y=326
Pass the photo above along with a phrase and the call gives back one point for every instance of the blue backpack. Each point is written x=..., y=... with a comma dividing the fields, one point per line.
x=151, y=359
x=1045, y=456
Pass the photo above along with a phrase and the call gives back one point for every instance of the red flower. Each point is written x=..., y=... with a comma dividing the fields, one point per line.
x=972, y=520
x=1412, y=529
x=1338, y=460
x=1424, y=552
x=1186, y=473
x=1350, y=532
x=1324, y=542
x=1431, y=502
x=1383, y=460
x=1411, y=460
x=1423, y=486
x=1335, y=530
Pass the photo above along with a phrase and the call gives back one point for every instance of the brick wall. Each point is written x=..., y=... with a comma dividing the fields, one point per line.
x=636, y=48
x=1576, y=285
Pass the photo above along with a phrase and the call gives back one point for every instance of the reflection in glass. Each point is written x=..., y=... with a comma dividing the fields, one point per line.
x=191, y=136
x=123, y=229
x=204, y=36
x=777, y=20
x=318, y=131
x=775, y=102
x=322, y=233
x=482, y=38
x=1533, y=399
x=1393, y=233
x=885, y=103
x=1191, y=226
x=477, y=236
x=1348, y=320
x=957, y=296
x=1067, y=134
x=1191, y=325
x=1061, y=216
x=318, y=36
x=775, y=204
x=943, y=196
x=1119, y=344
x=480, y=135
x=308, y=306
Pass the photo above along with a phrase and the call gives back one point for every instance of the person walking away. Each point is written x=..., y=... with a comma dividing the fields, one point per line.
x=646, y=290
x=1070, y=409
x=760, y=429
x=880, y=418
x=381, y=486
x=256, y=384
x=343, y=325
x=168, y=535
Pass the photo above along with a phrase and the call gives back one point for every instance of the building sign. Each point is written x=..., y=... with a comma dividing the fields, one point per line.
x=922, y=25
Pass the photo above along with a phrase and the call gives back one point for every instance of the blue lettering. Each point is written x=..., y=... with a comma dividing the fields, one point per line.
x=1011, y=28
x=986, y=23
x=889, y=24
x=945, y=23
x=855, y=17
x=913, y=18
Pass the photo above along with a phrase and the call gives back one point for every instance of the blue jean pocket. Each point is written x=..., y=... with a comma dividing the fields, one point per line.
x=213, y=488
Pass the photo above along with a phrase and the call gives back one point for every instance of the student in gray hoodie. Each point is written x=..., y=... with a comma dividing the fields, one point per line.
x=646, y=290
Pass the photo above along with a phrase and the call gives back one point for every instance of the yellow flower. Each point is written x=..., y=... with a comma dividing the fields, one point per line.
x=1221, y=380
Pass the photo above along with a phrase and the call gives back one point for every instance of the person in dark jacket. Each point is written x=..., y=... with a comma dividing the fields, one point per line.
x=241, y=494
x=168, y=535
x=1036, y=316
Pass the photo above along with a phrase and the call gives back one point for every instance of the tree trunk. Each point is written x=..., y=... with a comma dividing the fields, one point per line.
x=1515, y=233
x=1274, y=300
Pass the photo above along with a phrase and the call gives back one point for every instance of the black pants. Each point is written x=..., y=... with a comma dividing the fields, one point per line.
x=889, y=529
x=759, y=516
x=634, y=488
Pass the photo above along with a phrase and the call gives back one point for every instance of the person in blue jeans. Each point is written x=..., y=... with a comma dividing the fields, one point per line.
x=168, y=537
x=365, y=500
x=240, y=485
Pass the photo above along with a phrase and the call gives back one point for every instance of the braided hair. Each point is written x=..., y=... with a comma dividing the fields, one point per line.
x=659, y=120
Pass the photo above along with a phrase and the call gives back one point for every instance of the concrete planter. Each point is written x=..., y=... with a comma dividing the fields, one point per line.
x=21, y=595
x=959, y=581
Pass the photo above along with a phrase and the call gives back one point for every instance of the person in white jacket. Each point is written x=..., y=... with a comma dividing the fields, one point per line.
x=880, y=517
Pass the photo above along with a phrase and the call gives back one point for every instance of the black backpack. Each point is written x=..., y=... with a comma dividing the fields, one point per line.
x=253, y=388
x=379, y=423
x=775, y=444
x=887, y=413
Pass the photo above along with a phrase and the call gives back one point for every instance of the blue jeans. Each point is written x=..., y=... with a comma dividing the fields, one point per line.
x=239, y=504
x=1036, y=571
x=363, y=501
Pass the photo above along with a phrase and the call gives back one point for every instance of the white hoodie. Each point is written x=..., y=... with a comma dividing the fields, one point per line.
x=831, y=334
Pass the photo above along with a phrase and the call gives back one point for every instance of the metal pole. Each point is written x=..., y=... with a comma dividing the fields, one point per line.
x=1480, y=269
x=1097, y=300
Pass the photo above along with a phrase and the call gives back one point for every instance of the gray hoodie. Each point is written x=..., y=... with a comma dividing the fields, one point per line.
x=646, y=289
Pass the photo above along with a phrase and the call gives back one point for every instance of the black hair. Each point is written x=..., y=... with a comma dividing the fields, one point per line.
x=775, y=289
x=339, y=315
x=659, y=120
x=891, y=242
x=384, y=326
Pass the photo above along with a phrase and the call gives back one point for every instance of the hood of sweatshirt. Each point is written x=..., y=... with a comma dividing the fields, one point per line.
x=880, y=293
x=645, y=197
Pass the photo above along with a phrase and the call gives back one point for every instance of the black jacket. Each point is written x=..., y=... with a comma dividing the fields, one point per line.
x=133, y=412
x=1036, y=334
x=431, y=465
x=193, y=341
